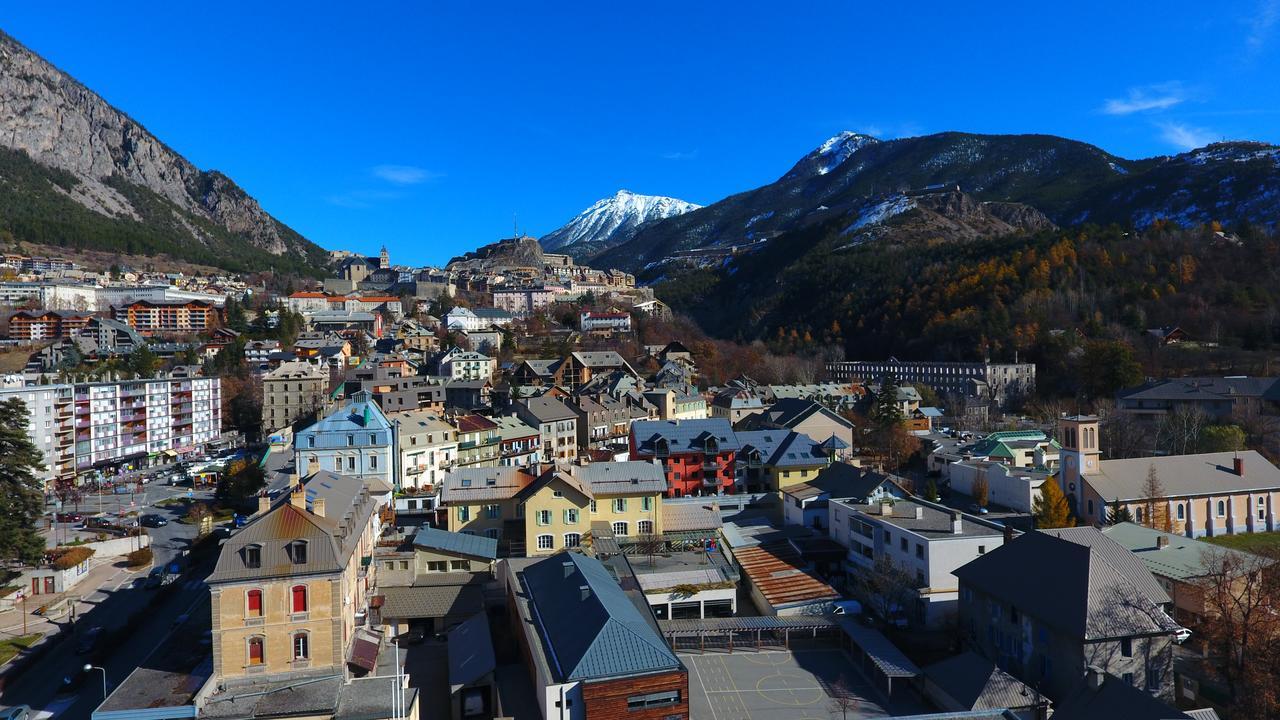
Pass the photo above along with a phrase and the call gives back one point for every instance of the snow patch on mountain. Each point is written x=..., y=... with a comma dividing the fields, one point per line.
x=831, y=154
x=881, y=211
x=614, y=220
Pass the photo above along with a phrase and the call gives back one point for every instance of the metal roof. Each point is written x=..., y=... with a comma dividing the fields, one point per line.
x=459, y=543
x=886, y=656
x=1185, y=475
x=686, y=517
x=1181, y=559
x=465, y=485
x=977, y=684
x=684, y=435
x=782, y=577
x=432, y=601
x=470, y=651
x=709, y=626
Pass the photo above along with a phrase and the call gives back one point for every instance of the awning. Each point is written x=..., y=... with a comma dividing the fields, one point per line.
x=170, y=453
x=886, y=656
x=364, y=652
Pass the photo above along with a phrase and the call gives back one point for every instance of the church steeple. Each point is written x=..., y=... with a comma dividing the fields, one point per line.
x=384, y=258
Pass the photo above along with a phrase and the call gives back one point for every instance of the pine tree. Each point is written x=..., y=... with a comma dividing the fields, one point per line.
x=931, y=490
x=885, y=413
x=1050, y=508
x=1119, y=513
x=21, y=496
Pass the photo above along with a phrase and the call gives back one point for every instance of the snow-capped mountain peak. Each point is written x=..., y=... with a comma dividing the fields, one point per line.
x=614, y=220
x=831, y=153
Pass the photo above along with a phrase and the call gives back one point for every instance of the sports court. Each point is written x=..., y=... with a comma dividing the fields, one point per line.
x=777, y=685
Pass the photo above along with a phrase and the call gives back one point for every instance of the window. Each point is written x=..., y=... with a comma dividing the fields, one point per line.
x=373, y=439
x=311, y=441
x=493, y=512
x=404, y=564
x=492, y=533
x=902, y=543
x=982, y=549
x=253, y=556
x=459, y=565
x=920, y=550
x=253, y=603
x=437, y=566
x=619, y=505
x=351, y=463
x=1128, y=678
x=1222, y=509
x=464, y=514
x=298, y=599
x=1126, y=647
x=645, y=527
x=542, y=517
x=301, y=646
x=1090, y=506
x=646, y=504
x=571, y=516
x=658, y=699
x=373, y=462
x=298, y=551
x=1182, y=512
x=572, y=540
x=1262, y=508
x=620, y=529
x=546, y=542
x=255, y=651
x=351, y=440
x=557, y=493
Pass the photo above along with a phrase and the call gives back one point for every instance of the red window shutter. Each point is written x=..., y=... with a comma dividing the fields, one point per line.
x=299, y=598
x=255, y=602
x=255, y=651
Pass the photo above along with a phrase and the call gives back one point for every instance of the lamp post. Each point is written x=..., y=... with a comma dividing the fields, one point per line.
x=91, y=668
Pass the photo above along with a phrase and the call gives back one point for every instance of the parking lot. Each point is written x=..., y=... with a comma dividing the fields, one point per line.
x=778, y=685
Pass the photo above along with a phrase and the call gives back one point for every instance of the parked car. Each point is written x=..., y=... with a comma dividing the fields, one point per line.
x=976, y=509
x=153, y=521
x=89, y=640
x=154, y=579
x=17, y=712
x=846, y=607
x=1182, y=635
x=69, y=517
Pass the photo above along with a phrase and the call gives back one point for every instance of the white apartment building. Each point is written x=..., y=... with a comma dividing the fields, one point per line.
x=467, y=365
x=136, y=421
x=49, y=425
x=925, y=540
x=428, y=447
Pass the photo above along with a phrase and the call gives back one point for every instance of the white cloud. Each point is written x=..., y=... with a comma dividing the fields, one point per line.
x=1147, y=98
x=1261, y=23
x=358, y=199
x=404, y=174
x=680, y=155
x=1186, y=137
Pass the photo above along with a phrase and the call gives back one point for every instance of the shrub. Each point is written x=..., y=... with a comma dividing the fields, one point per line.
x=138, y=558
x=67, y=558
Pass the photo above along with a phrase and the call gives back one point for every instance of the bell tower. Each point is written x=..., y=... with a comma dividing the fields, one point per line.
x=384, y=258
x=1080, y=453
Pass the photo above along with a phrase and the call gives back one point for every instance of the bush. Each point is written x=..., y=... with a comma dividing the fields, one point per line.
x=138, y=558
x=67, y=558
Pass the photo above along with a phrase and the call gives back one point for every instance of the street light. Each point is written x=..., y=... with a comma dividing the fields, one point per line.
x=91, y=668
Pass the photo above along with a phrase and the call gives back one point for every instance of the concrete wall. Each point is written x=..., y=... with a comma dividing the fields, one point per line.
x=1005, y=486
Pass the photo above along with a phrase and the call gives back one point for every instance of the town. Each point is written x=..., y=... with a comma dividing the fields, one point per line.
x=512, y=487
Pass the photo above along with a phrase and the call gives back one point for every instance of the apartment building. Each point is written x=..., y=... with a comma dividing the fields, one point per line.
x=605, y=322
x=177, y=317
x=293, y=391
x=460, y=364
x=427, y=445
x=993, y=381
x=50, y=421
x=137, y=421
x=697, y=456
x=557, y=426
x=31, y=325
x=522, y=302
x=355, y=440
x=479, y=441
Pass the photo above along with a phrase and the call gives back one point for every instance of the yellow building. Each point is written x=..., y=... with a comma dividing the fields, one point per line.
x=288, y=586
x=563, y=507
x=774, y=460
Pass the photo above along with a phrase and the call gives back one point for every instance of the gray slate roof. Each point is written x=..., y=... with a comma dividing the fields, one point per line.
x=470, y=651
x=471, y=545
x=976, y=683
x=684, y=435
x=1119, y=557
x=1115, y=699
x=621, y=478
x=431, y=601
x=465, y=485
x=1185, y=475
x=600, y=635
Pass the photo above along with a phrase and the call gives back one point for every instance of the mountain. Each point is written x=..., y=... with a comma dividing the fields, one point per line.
x=1070, y=182
x=612, y=221
x=77, y=172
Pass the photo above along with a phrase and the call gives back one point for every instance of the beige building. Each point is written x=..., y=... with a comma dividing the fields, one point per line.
x=563, y=507
x=288, y=587
x=292, y=391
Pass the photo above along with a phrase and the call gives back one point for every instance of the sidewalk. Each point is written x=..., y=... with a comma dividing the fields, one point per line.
x=87, y=593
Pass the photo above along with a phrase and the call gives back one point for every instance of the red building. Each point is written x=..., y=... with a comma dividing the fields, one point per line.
x=697, y=456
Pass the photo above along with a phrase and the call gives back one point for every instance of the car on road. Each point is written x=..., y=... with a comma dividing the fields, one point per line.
x=17, y=712
x=69, y=517
x=89, y=640
x=155, y=578
x=153, y=521
x=1181, y=635
x=976, y=509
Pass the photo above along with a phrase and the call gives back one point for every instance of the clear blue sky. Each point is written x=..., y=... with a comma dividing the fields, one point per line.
x=427, y=125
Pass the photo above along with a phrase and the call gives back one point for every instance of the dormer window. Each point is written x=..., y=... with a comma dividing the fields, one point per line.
x=298, y=551
x=713, y=447
x=661, y=447
x=253, y=556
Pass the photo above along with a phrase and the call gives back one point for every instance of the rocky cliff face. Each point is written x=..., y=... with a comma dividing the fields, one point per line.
x=522, y=251
x=59, y=123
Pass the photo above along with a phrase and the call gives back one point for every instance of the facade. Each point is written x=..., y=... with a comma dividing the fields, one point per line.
x=999, y=382
x=697, y=456
x=355, y=440
x=1018, y=449
x=602, y=420
x=288, y=587
x=523, y=302
x=467, y=365
x=1203, y=494
x=1218, y=399
x=928, y=542
x=1048, y=605
x=479, y=441
x=427, y=446
x=30, y=325
x=50, y=425
x=291, y=392
x=678, y=403
x=735, y=404
x=775, y=460
x=557, y=426
x=471, y=319
x=135, y=421
x=803, y=416
x=178, y=318
x=521, y=443
x=590, y=650
x=578, y=369
x=605, y=322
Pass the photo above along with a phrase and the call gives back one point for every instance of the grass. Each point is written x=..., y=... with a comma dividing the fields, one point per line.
x=1249, y=542
x=10, y=647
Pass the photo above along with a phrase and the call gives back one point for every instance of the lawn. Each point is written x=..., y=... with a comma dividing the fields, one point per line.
x=1256, y=542
x=10, y=647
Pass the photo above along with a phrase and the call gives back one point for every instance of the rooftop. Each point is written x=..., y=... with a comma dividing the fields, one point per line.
x=782, y=576
x=1180, y=559
x=1185, y=475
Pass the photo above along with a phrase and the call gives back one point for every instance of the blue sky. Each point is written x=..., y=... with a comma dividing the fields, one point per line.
x=429, y=126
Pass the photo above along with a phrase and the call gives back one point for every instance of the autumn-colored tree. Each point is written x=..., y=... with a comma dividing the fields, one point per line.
x=981, y=491
x=1241, y=630
x=1050, y=508
x=1155, y=509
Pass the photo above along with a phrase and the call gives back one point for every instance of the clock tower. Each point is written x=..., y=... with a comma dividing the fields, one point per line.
x=1080, y=454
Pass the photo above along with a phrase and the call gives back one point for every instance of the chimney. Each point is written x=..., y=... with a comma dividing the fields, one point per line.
x=919, y=512
x=886, y=508
x=298, y=497
x=584, y=591
x=1239, y=465
x=1093, y=677
x=1162, y=542
x=957, y=525
x=264, y=503
x=568, y=568
x=317, y=507
x=1008, y=533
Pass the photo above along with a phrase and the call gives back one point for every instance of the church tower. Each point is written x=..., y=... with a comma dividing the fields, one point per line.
x=384, y=258
x=1080, y=454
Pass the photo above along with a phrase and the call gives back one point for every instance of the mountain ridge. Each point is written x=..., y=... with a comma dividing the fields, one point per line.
x=612, y=221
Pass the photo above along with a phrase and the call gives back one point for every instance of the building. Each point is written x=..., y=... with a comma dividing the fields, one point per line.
x=578, y=369
x=924, y=540
x=355, y=440
x=257, y=353
x=592, y=649
x=523, y=302
x=1203, y=494
x=292, y=392
x=1217, y=399
x=678, y=403
x=289, y=590
x=458, y=364
x=433, y=580
x=50, y=426
x=521, y=444
x=427, y=447
x=807, y=503
x=31, y=325
x=774, y=460
x=697, y=456
x=1017, y=449
x=1048, y=605
x=999, y=382
x=803, y=416
x=110, y=337
x=479, y=441
x=735, y=404
x=191, y=317
x=603, y=420
x=471, y=319
x=605, y=322
x=557, y=426
x=653, y=308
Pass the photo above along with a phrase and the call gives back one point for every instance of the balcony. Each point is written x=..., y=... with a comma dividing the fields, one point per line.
x=711, y=467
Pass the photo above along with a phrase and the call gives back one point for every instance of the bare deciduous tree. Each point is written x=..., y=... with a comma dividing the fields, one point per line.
x=1241, y=629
